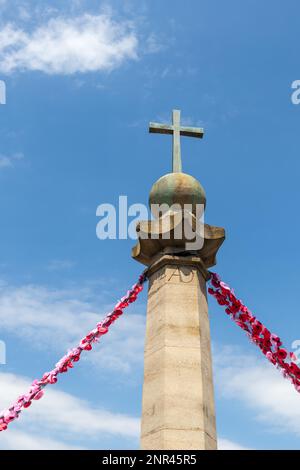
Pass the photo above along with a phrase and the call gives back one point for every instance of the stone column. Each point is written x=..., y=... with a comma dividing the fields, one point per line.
x=178, y=401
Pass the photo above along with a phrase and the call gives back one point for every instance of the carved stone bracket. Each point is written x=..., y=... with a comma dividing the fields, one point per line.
x=157, y=238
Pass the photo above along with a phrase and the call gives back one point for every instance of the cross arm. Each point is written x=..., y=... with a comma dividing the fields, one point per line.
x=192, y=132
x=156, y=128
x=160, y=128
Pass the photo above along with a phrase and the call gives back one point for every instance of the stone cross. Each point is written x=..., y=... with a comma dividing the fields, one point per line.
x=178, y=409
x=176, y=130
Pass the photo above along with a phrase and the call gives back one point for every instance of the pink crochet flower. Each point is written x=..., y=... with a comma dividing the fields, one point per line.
x=270, y=344
x=35, y=392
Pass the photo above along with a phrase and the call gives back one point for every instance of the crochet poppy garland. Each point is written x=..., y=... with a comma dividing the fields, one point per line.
x=269, y=343
x=65, y=363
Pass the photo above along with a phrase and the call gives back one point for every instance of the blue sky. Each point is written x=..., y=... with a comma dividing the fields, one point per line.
x=83, y=81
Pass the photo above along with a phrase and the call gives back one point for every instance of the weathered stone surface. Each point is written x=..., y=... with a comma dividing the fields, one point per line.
x=178, y=403
x=158, y=235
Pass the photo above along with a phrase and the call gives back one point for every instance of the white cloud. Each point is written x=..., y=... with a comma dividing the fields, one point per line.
x=20, y=440
x=62, y=45
x=154, y=44
x=226, y=444
x=8, y=161
x=60, y=264
x=62, y=415
x=259, y=387
x=58, y=319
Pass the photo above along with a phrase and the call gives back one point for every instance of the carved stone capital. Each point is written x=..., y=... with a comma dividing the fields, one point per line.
x=160, y=236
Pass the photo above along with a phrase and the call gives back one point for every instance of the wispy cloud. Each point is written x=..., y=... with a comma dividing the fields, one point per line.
x=226, y=444
x=154, y=44
x=62, y=415
x=260, y=388
x=86, y=43
x=60, y=264
x=9, y=161
x=61, y=317
x=23, y=440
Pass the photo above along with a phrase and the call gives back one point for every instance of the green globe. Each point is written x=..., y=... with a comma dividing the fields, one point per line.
x=176, y=188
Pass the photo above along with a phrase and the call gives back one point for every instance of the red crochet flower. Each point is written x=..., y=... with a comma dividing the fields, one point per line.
x=257, y=327
x=294, y=369
x=257, y=339
x=271, y=358
x=267, y=343
x=102, y=329
x=118, y=311
x=236, y=305
x=224, y=287
x=39, y=395
x=276, y=340
x=266, y=333
x=244, y=317
x=281, y=353
x=107, y=322
x=215, y=282
x=221, y=299
x=89, y=336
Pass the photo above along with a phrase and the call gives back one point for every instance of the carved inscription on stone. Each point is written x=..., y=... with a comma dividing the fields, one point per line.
x=173, y=275
x=180, y=275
